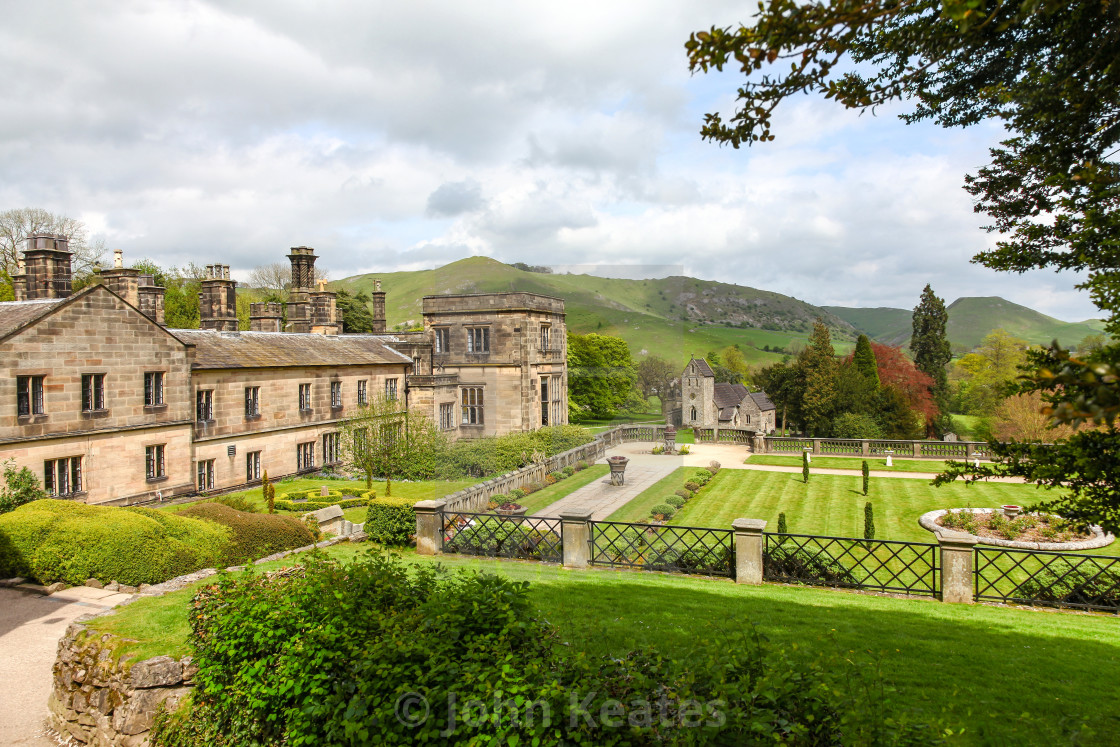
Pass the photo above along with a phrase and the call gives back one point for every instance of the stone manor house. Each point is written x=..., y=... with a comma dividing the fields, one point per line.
x=107, y=405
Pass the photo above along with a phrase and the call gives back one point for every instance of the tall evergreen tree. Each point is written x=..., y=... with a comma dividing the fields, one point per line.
x=818, y=367
x=930, y=346
x=864, y=360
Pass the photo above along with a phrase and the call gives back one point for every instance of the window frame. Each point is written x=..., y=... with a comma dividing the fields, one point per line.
x=252, y=466
x=153, y=388
x=71, y=471
x=93, y=392
x=204, y=405
x=155, y=462
x=446, y=416
x=336, y=395
x=391, y=389
x=252, y=402
x=204, y=475
x=442, y=340
x=546, y=337
x=363, y=392
x=332, y=448
x=472, y=401
x=305, y=462
x=305, y=400
x=481, y=345
x=29, y=392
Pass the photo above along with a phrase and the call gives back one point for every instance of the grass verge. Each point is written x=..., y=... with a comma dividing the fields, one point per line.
x=637, y=509
x=877, y=463
x=542, y=499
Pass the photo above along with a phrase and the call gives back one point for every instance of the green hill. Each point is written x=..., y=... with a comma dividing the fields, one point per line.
x=970, y=319
x=671, y=317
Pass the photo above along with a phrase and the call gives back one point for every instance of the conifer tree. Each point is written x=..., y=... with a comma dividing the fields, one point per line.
x=866, y=477
x=783, y=528
x=929, y=344
x=868, y=521
x=864, y=360
x=805, y=466
x=818, y=367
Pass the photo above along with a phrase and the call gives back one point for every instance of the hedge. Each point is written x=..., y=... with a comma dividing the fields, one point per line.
x=391, y=521
x=252, y=535
x=52, y=540
x=343, y=503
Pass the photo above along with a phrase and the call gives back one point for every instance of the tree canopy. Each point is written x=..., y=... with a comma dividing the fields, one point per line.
x=600, y=375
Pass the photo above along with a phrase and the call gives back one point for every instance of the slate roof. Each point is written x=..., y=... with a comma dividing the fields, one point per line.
x=16, y=314
x=702, y=367
x=763, y=401
x=281, y=349
x=729, y=395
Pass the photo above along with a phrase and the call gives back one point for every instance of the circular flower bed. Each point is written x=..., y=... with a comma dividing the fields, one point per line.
x=1036, y=531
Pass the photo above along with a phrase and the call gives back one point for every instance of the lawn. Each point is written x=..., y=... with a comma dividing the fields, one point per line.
x=637, y=509
x=542, y=499
x=1004, y=675
x=856, y=463
x=833, y=504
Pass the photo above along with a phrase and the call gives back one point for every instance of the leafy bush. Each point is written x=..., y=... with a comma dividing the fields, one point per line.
x=20, y=487
x=52, y=540
x=532, y=487
x=497, y=536
x=252, y=536
x=568, y=471
x=581, y=465
x=684, y=493
x=713, y=467
x=314, y=495
x=965, y=521
x=1072, y=583
x=305, y=506
x=692, y=485
x=664, y=510
x=323, y=655
x=674, y=500
x=479, y=457
x=657, y=450
x=236, y=502
x=684, y=450
x=391, y=521
x=702, y=476
x=791, y=564
x=550, y=479
x=516, y=494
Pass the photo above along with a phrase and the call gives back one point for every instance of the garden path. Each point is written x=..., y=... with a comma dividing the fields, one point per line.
x=30, y=628
x=601, y=499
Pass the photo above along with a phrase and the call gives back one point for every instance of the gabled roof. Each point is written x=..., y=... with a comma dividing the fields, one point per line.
x=726, y=413
x=282, y=349
x=702, y=367
x=729, y=395
x=763, y=401
x=17, y=314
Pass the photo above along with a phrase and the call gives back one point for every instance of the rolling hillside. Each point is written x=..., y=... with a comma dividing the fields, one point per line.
x=670, y=317
x=971, y=318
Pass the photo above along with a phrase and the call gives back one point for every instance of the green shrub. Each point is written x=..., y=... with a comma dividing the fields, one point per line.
x=692, y=486
x=313, y=495
x=20, y=486
x=664, y=510
x=516, y=494
x=674, y=500
x=343, y=503
x=868, y=521
x=569, y=471
x=354, y=637
x=866, y=476
x=684, y=493
x=1072, y=582
x=391, y=521
x=713, y=467
x=236, y=502
x=787, y=563
x=581, y=465
x=52, y=540
x=783, y=528
x=252, y=536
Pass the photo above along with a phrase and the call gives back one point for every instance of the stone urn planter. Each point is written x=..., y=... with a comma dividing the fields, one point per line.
x=1011, y=511
x=670, y=439
x=618, y=469
x=511, y=513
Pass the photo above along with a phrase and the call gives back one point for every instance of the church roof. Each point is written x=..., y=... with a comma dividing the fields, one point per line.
x=729, y=395
x=726, y=413
x=215, y=349
x=702, y=367
x=763, y=401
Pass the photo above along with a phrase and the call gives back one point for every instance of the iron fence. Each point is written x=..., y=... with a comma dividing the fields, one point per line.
x=1052, y=579
x=528, y=537
x=654, y=547
x=877, y=565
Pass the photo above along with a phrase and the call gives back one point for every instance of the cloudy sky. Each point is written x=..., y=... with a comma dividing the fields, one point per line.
x=408, y=135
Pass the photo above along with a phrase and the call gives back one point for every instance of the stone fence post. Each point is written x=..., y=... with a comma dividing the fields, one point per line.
x=957, y=566
x=748, y=550
x=575, y=528
x=816, y=446
x=429, y=527
x=865, y=447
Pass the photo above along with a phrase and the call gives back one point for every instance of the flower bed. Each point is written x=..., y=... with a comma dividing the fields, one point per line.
x=1033, y=531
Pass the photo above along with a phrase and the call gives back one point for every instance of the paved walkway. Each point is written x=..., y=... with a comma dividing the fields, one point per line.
x=602, y=499
x=30, y=628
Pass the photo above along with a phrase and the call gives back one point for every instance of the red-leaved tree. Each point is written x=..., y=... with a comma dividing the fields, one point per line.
x=899, y=372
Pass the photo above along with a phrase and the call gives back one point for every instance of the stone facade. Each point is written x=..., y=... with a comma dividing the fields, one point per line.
x=704, y=403
x=120, y=409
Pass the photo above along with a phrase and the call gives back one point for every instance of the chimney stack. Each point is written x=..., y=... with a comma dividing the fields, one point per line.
x=303, y=283
x=124, y=281
x=378, y=297
x=264, y=317
x=46, y=272
x=217, y=303
x=151, y=298
x=323, y=311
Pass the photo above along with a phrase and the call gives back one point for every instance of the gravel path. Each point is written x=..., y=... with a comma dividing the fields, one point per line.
x=30, y=628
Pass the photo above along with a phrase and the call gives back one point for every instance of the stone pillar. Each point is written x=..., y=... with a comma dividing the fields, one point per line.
x=748, y=550
x=816, y=446
x=917, y=447
x=957, y=564
x=865, y=447
x=575, y=527
x=969, y=448
x=429, y=527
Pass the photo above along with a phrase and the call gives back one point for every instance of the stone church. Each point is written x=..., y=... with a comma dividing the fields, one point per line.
x=107, y=405
x=704, y=403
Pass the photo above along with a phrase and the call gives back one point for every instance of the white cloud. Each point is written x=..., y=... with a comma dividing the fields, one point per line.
x=403, y=135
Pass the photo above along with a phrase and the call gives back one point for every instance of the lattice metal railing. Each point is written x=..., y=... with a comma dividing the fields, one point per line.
x=878, y=565
x=526, y=537
x=1053, y=579
x=653, y=547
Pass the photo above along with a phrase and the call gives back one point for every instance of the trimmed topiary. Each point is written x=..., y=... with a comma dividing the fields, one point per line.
x=52, y=540
x=674, y=500
x=236, y=502
x=664, y=510
x=252, y=536
x=713, y=467
x=692, y=485
x=516, y=494
x=684, y=493
x=783, y=528
x=569, y=471
x=391, y=521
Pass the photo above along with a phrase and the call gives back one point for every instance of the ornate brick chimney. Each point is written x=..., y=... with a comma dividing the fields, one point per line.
x=303, y=283
x=46, y=268
x=324, y=317
x=217, y=302
x=265, y=317
x=378, y=297
x=151, y=298
x=124, y=281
